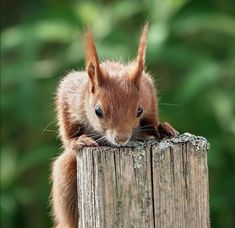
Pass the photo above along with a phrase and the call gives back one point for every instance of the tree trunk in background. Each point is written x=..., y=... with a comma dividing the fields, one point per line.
x=145, y=184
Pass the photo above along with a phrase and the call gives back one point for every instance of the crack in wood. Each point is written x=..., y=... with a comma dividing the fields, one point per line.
x=152, y=185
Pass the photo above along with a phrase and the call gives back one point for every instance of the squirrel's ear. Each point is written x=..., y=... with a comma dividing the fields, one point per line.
x=91, y=71
x=136, y=73
x=92, y=61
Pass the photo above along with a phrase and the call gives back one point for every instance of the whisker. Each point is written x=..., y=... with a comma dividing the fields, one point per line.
x=145, y=127
x=48, y=125
x=170, y=104
x=94, y=134
x=48, y=130
x=104, y=141
x=75, y=133
x=101, y=139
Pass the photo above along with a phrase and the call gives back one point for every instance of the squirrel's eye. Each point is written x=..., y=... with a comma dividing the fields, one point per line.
x=98, y=111
x=139, y=111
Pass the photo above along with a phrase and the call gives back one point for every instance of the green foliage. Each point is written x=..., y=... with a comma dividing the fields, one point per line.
x=191, y=54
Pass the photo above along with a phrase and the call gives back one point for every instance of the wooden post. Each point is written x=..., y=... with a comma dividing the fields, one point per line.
x=145, y=184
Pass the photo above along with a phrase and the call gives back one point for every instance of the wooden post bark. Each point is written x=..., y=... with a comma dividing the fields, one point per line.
x=146, y=184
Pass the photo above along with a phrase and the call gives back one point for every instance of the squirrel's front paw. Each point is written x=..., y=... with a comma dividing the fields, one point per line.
x=82, y=141
x=165, y=129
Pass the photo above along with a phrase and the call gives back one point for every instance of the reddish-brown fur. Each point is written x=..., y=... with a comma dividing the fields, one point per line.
x=119, y=89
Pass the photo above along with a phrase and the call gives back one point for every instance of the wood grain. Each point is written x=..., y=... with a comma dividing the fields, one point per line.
x=145, y=184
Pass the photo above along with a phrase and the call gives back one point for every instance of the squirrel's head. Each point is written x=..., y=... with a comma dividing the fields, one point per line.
x=114, y=104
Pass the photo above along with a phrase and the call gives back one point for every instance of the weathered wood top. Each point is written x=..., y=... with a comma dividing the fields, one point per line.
x=200, y=144
x=160, y=184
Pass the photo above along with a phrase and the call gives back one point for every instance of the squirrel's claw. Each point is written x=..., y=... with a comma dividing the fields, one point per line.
x=83, y=141
x=166, y=130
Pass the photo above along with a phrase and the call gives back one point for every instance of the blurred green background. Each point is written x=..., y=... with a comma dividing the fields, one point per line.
x=191, y=53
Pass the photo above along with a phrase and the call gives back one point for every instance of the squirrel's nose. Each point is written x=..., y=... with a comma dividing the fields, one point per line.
x=121, y=139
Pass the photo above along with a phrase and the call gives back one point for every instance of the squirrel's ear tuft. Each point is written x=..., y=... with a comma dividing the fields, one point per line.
x=92, y=61
x=136, y=74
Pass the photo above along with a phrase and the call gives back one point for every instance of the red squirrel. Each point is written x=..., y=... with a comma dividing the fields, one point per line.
x=109, y=103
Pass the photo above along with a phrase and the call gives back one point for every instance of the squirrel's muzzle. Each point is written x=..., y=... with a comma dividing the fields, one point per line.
x=122, y=139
